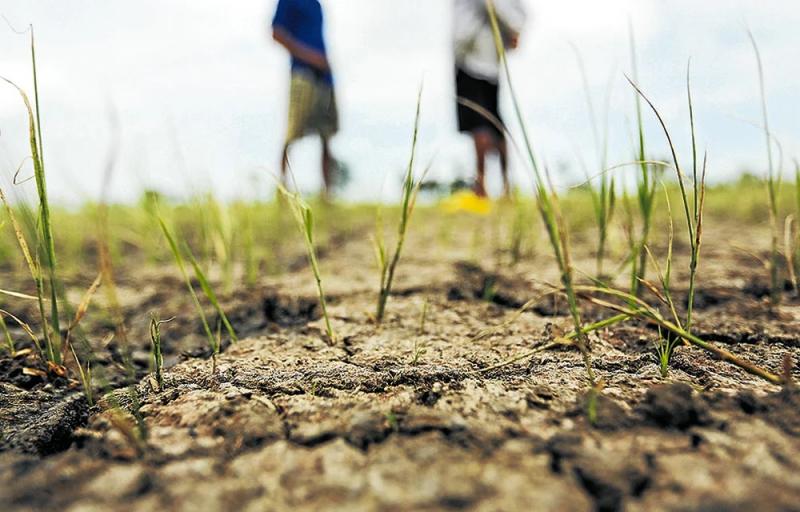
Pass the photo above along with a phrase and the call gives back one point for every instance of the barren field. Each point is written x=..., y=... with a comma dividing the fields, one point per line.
x=409, y=414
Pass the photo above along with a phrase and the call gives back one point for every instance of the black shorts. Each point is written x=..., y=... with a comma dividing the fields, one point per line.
x=485, y=95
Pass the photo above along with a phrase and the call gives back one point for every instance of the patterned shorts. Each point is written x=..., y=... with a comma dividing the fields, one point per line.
x=312, y=107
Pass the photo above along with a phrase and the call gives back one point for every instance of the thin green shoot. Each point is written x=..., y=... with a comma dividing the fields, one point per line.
x=665, y=348
x=176, y=253
x=666, y=343
x=547, y=203
x=693, y=216
x=45, y=229
x=698, y=198
x=37, y=153
x=304, y=218
x=411, y=188
x=773, y=179
x=209, y=293
x=155, y=340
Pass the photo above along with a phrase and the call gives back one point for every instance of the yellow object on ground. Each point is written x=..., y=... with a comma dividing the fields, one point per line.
x=466, y=201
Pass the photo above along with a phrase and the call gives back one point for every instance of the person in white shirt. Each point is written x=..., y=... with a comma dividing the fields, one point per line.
x=478, y=76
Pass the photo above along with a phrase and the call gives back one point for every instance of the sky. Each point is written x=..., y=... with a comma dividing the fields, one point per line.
x=189, y=96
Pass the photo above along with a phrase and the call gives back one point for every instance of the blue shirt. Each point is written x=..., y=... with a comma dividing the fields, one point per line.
x=302, y=19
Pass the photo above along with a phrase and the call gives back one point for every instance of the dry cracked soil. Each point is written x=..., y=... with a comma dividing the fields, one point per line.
x=408, y=415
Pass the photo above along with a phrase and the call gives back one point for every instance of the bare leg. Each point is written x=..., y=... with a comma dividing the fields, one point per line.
x=502, y=152
x=483, y=144
x=327, y=163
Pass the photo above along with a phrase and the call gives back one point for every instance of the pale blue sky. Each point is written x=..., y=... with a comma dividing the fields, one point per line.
x=199, y=88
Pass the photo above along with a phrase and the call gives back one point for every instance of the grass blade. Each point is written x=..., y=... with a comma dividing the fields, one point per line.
x=176, y=253
x=410, y=191
x=209, y=292
x=304, y=218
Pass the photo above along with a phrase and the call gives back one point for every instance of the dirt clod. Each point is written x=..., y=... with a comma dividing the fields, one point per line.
x=673, y=406
x=38, y=422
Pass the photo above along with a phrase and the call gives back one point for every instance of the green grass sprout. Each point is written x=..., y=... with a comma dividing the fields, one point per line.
x=155, y=340
x=304, y=218
x=45, y=237
x=411, y=188
x=694, y=219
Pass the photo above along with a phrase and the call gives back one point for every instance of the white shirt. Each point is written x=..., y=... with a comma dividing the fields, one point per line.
x=473, y=39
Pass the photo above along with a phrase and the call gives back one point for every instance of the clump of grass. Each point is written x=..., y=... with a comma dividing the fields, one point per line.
x=155, y=340
x=44, y=232
x=693, y=205
x=304, y=219
x=411, y=188
x=773, y=181
x=548, y=206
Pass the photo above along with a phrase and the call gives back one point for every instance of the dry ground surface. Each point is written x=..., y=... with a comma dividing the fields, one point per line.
x=400, y=416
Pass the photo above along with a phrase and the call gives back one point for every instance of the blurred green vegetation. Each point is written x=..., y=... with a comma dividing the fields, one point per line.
x=259, y=238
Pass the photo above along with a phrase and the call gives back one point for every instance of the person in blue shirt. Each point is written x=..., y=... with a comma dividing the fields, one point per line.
x=298, y=27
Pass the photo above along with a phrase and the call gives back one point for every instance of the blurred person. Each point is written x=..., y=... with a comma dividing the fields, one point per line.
x=298, y=27
x=478, y=77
